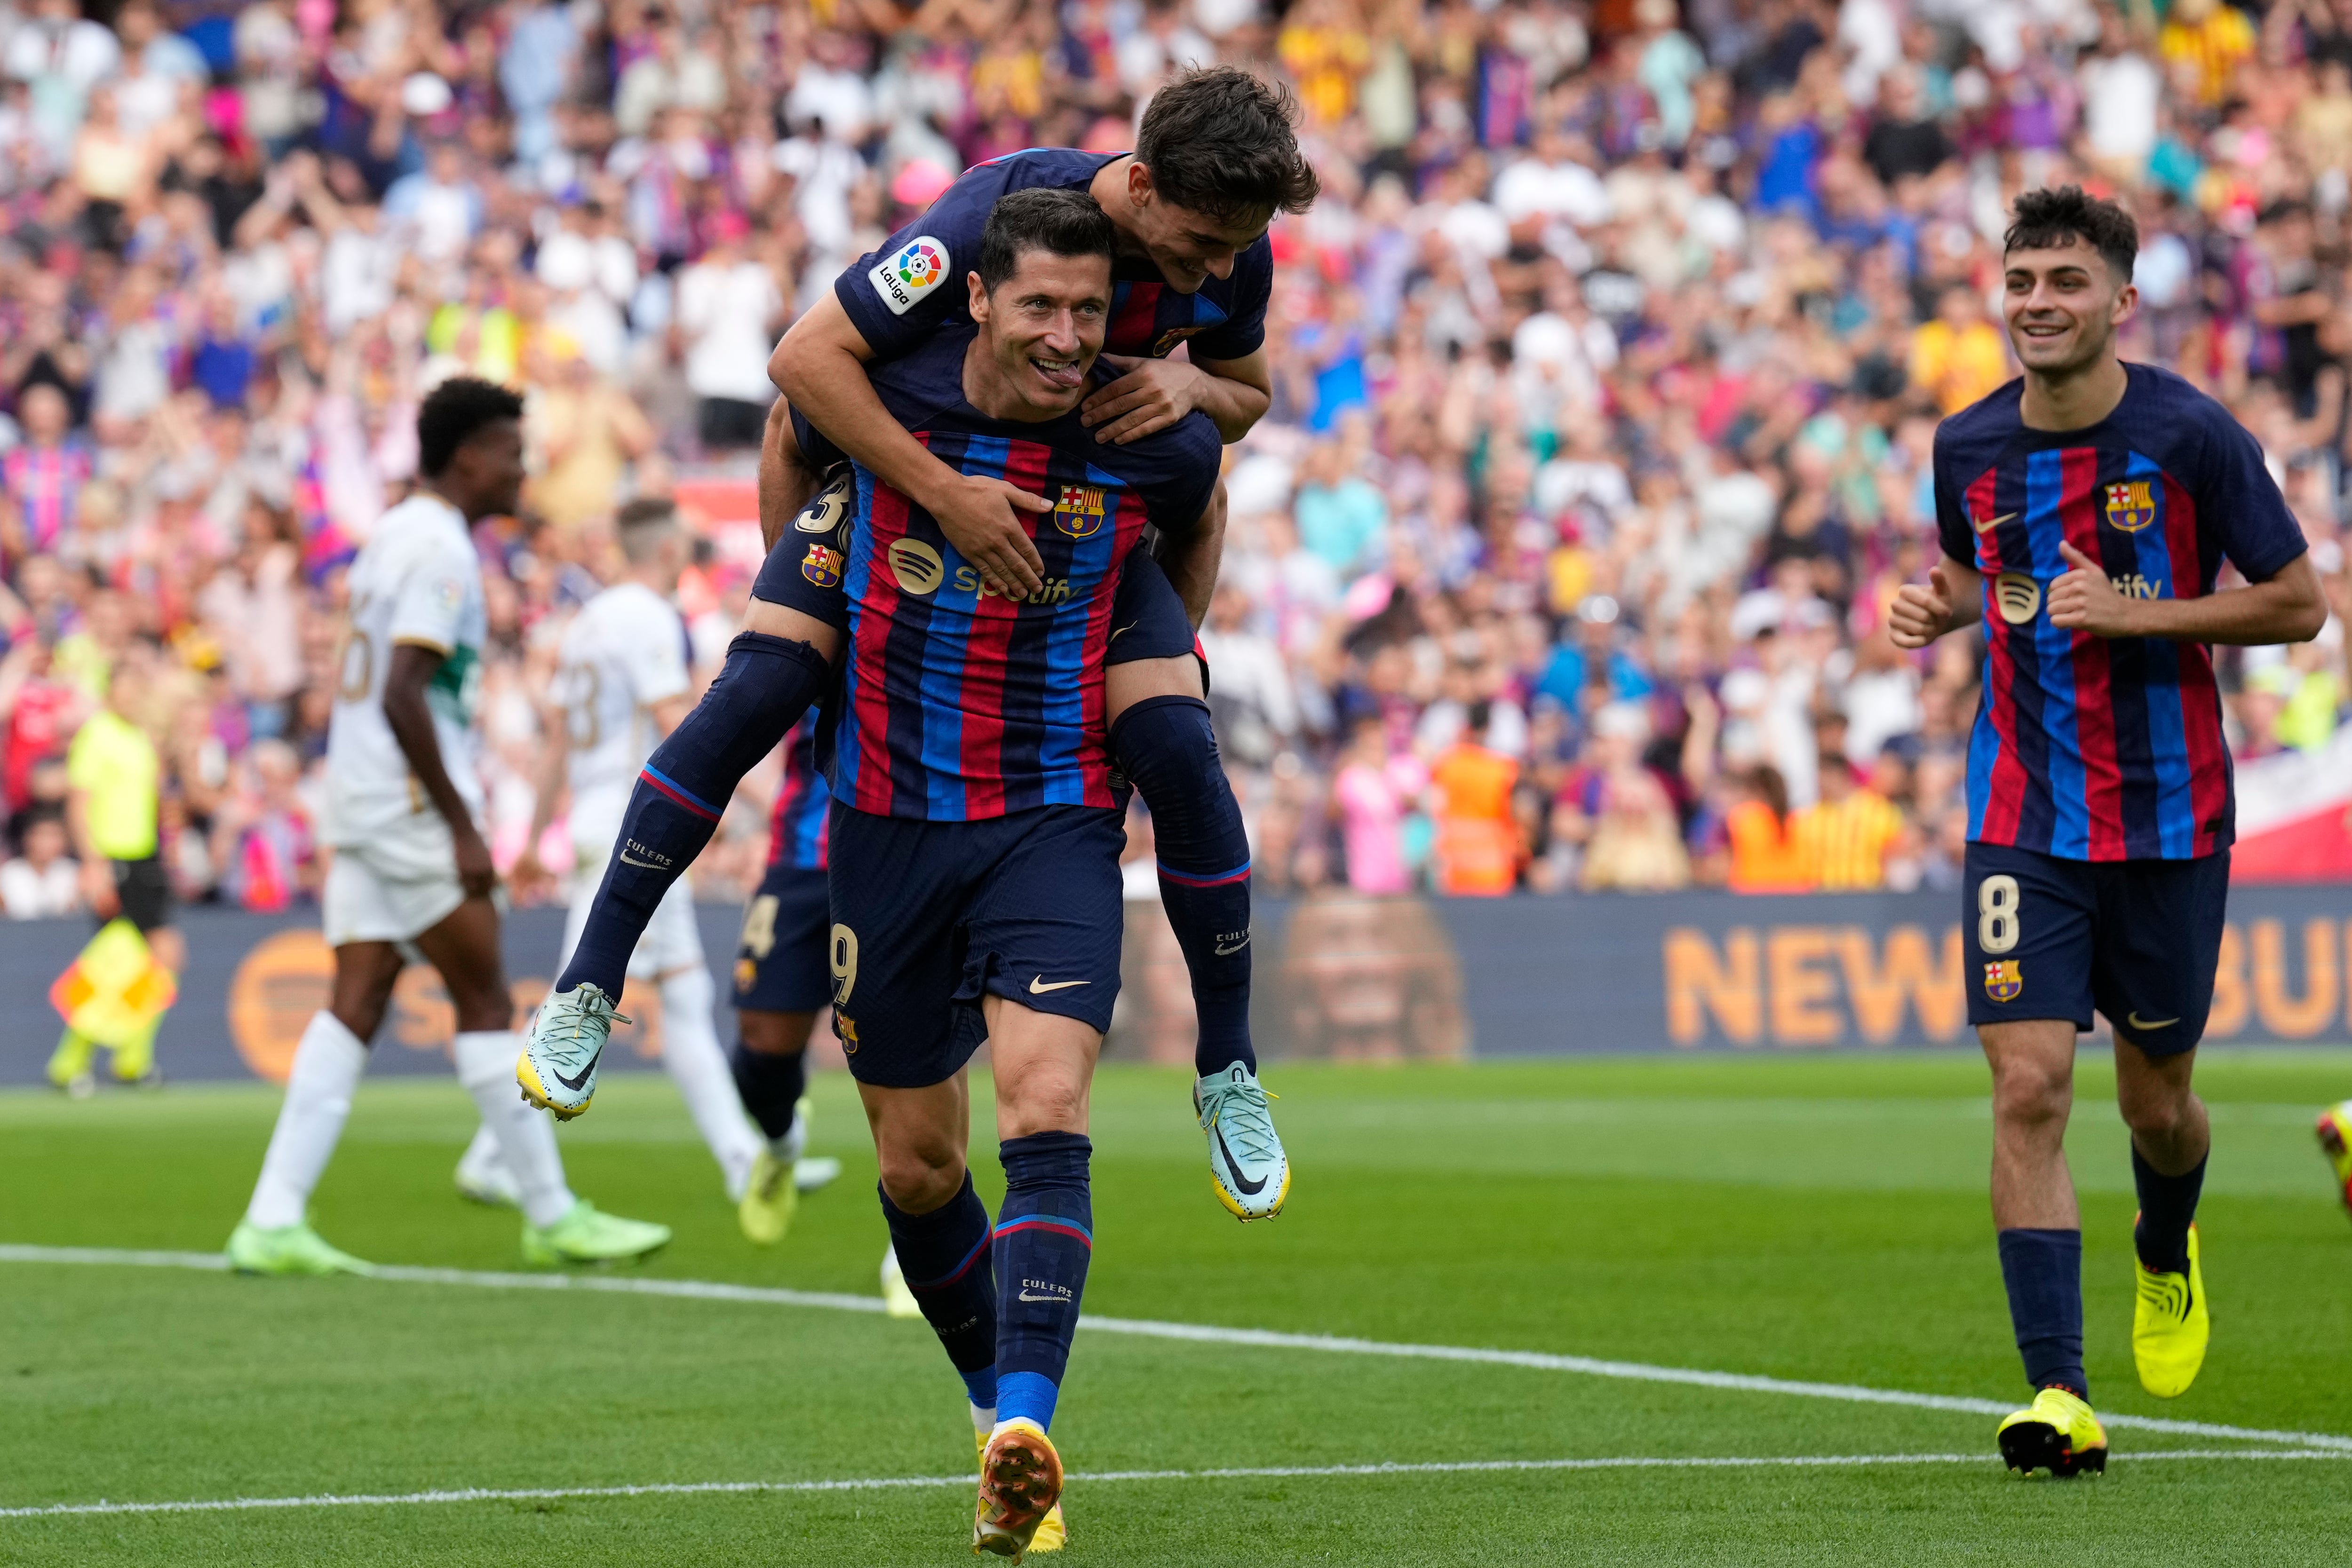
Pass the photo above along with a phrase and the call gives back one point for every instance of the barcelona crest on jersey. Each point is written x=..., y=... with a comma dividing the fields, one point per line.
x=2131, y=506
x=1079, y=512
x=2004, y=980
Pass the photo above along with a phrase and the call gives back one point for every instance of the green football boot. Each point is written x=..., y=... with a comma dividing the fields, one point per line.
x=587, y=1235
x=289, y=1250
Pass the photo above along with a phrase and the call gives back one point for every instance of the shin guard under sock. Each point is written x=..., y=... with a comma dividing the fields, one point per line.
x=944, y=1256
x=2166, y=1205
x=767, y=684
x=771, y=1087
x=1044, y=1239
x=1166, y=748
x=2044, y=1272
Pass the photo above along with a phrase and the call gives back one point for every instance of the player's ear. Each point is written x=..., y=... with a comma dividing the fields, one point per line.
x=2126, y=303
x=979, y=297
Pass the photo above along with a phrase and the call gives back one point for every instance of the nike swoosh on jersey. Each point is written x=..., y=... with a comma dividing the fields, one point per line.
x=2134, y=1020
x=1249, y=1189
x=1989, y=524
x=1038, y=987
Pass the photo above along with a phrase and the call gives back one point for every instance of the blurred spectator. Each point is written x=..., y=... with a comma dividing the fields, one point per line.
x=1376, y=793
x=1842, y=838
x=263, y=839
x=728, y=316
x=42, y=883
x=1476, y=847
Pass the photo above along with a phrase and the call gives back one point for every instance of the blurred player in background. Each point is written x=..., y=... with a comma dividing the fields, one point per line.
x=2084, y=513
x=622, y=683
x=410, y=868
x=1216, y=158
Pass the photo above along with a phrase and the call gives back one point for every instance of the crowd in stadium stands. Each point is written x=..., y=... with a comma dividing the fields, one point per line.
x=1606, y=373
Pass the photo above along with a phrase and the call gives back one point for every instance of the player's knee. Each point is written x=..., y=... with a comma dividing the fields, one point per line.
x=1042, y=1103
x=2030, y=1094
x=774, y=1034
x=2154, y=1112
x=919, y=1170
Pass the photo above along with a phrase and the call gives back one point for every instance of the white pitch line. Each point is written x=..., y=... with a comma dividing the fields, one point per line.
x=1098, y=1478
x=1210, y=1333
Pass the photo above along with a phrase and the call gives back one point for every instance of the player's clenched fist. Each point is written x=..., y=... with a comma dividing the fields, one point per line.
x=1921, y=612
x=2083, y=599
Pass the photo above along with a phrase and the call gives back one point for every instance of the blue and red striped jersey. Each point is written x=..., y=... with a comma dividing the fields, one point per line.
x=796, y=828
x=2086, y=748
x=957, y=703
x=914, y=285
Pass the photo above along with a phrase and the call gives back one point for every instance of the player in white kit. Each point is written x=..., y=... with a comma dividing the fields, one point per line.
x=622, y=683
x=411, y=870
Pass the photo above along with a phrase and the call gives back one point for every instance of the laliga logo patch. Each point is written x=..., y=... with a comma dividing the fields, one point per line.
x=916, y=565
x=821, y=565
x=823, y=514
x=2004, y=980
x=903, y=277
x=2018, y=595
x=2131, y=505
x=1079, y=512
x=747, y=974
x=1165, y=344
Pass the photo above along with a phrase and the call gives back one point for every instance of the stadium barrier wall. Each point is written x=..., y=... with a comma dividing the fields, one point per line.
x=1338, y=978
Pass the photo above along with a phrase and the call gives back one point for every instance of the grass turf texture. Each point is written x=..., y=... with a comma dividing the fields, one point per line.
x=1820, y=1218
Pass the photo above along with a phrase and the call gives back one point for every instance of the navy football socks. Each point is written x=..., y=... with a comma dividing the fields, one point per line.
x=1166, y=748
x=771, y=1087
x=2044, y=1272
x=2166, y=1205
x=945, y=1257
x=765, y=686
x=1044, y=1239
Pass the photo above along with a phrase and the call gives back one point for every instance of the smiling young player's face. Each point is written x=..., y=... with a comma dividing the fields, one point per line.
x=2061, y=305
x=1188, y=248
x=1040, y=330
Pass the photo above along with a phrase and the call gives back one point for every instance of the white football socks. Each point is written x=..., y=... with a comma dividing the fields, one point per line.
x=328, y=1064
x=486, y=1066
x=697, y=1065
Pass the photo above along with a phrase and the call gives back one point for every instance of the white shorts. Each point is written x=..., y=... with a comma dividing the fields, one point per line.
x=397, y=885
x=673, y=941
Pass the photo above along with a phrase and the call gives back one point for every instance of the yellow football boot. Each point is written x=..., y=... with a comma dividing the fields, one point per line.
x=2335, y=1142
x=1052, y=1535
x=2169, y=1326
x=1020, y=1490
x=2056, y=1433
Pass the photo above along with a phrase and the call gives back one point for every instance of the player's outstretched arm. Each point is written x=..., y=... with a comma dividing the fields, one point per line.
x=1951, y=598
x=2288, y=606
x=1151, y=394
x=820, y=367
x=405, y=709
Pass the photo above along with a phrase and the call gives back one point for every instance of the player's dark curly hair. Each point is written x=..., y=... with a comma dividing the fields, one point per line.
x=2046, y=218
x=1219, y=141
x=1064, y=222
x=455, y=412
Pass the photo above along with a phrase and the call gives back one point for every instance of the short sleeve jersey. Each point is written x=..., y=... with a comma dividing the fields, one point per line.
x=113, y=763
x=958, y=703
x=418, y=581
x=897, y=296
x=796, y=829
x=624, y=652
x=2093, y=748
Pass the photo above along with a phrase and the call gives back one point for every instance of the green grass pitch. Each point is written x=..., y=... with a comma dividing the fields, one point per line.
x=1820, y=1219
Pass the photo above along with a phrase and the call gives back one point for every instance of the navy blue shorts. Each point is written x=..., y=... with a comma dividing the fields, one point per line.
x=805, y=572
x=782, y=960
x=931, y=916
x=2137, y=940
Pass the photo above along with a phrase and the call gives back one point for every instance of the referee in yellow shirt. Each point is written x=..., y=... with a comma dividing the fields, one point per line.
x=114, y=779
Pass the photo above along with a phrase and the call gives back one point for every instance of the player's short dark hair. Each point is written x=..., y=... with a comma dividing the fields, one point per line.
x=2044, y=219
x=454, y=413
x=1064, y=222
x=1219, y=141
x=642, y=525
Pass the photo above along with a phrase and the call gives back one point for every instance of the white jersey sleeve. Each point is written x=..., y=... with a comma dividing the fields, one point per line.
x=624, y=654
